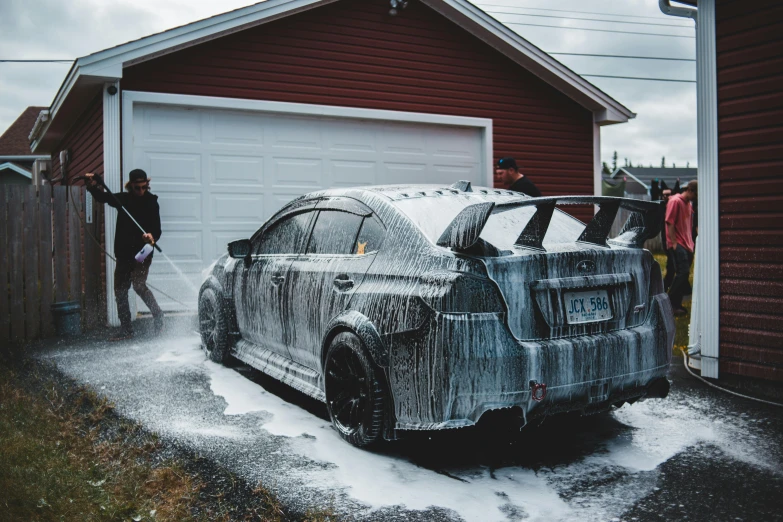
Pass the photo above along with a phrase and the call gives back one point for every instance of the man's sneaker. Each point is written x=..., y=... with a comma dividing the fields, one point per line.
x=121, y=335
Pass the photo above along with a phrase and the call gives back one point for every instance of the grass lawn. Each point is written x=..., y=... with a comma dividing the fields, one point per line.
x=67, y=456
x=681, y=322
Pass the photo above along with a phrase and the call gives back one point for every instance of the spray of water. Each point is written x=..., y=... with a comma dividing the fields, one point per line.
x=182, y=276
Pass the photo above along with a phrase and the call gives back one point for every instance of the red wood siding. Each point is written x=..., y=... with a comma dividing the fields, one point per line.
x=352, y=53
x=84, y=142
x=750, y=133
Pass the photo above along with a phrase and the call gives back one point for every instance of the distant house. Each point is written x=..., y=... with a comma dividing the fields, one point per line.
x=16, y=160
x=640, y=179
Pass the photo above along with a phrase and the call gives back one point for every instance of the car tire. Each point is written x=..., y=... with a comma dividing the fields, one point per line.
x=355, y=395
x=213, y=326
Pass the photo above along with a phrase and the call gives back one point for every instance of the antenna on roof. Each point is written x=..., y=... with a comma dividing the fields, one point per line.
x=462, y=185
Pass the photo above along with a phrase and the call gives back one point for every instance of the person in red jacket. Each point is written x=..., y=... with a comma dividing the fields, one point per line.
x=679, y=242
x=128, y=241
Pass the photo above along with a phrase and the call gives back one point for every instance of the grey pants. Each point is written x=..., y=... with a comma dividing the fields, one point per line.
x=128, y=273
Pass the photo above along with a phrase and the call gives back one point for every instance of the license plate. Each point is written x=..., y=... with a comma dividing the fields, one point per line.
x=587, y=307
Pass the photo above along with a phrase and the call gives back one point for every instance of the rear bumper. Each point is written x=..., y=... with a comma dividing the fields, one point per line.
x=457, y=367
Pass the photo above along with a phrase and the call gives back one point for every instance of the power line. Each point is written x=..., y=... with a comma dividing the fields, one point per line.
x=638, y=78
x=573, y=11
x=552, y=53
x=626, y=56
x=36, y=61
x=589, y=19
x=599, y=30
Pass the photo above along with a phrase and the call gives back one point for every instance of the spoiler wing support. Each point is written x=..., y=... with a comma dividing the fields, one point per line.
x=644, y=222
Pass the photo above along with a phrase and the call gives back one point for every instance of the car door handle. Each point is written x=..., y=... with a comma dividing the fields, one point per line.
x=277, y=279
x=343, y=282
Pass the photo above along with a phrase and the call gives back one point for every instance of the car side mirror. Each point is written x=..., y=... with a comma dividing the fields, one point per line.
x=239, y=249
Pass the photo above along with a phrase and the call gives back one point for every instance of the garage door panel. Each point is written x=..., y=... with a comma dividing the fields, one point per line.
x=244, y=171
x=236, y=208
x=172, y=125
x=453, y=172
x=182, y=245
x=403, y=142
x=351, y=137
x=182, y=168
x=353, y=173
x=295, y=133
x=458, y=145
x=405, y=172
x=236, y=129
x=220, y=174
x=180, y=207
x=305, y=172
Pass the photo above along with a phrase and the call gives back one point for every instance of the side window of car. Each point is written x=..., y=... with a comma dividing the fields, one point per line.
x=334, y=233
x=284, y=237
x=370, y=236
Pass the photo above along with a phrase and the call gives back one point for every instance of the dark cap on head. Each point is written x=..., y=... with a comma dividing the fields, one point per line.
x=137, y=175
x=507, y=163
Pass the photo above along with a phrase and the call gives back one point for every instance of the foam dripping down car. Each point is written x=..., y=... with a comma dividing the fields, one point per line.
x=423, y=307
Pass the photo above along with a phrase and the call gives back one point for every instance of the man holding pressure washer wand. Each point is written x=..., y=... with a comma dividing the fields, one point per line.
x=138, y=225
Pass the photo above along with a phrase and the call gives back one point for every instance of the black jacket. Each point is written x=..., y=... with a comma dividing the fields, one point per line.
x=127, y=237
x=525, y=186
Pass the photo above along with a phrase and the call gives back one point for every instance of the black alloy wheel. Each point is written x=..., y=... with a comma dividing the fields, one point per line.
x=213, y=325
x=354, y=395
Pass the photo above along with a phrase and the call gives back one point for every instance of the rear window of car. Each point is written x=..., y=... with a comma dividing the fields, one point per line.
x=370, y=236
x=334, y=233
x=433, y=214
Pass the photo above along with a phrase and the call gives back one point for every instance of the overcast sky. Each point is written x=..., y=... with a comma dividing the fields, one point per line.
x=666, y=111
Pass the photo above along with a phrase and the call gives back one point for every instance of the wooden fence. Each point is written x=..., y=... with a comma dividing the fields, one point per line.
x=47, y=257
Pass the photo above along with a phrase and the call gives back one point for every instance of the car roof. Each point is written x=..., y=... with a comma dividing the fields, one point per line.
x=403, y=192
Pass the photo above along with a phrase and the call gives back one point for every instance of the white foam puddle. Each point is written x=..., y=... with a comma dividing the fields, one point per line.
x=659, y=430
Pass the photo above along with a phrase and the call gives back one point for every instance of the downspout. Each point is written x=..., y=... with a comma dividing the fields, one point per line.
x=705, y=312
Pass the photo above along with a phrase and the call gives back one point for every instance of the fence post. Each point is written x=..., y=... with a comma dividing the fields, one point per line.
x=5, y=311
x=30, y=249
x=75, y=246
x=60, y=245
x=45, y=259
x=16, y=261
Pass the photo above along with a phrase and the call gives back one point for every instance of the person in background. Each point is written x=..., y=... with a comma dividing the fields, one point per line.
x=128, y=241
x=508, y=172
x=667, y=280
x=679, y=242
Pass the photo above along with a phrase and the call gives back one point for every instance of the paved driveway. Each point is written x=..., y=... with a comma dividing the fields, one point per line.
x=698, y=454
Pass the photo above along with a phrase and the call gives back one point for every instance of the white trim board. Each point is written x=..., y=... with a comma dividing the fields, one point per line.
x=17, y=169
x=130, y=98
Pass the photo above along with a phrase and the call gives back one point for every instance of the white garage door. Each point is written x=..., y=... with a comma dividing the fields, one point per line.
x=220, y=174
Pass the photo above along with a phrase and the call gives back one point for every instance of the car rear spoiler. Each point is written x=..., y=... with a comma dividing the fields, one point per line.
x=644, y=222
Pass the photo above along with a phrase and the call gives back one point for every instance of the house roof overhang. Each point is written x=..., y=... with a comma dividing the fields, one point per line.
x=16, y=168
x=89, y=73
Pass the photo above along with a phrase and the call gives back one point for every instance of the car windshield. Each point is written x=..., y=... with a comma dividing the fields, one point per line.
x=433, y=214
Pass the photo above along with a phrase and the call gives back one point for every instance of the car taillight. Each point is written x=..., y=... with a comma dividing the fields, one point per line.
x=656, y=280
x=458, y=292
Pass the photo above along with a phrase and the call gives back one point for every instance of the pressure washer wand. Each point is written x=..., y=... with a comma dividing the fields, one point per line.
x=103, y=184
